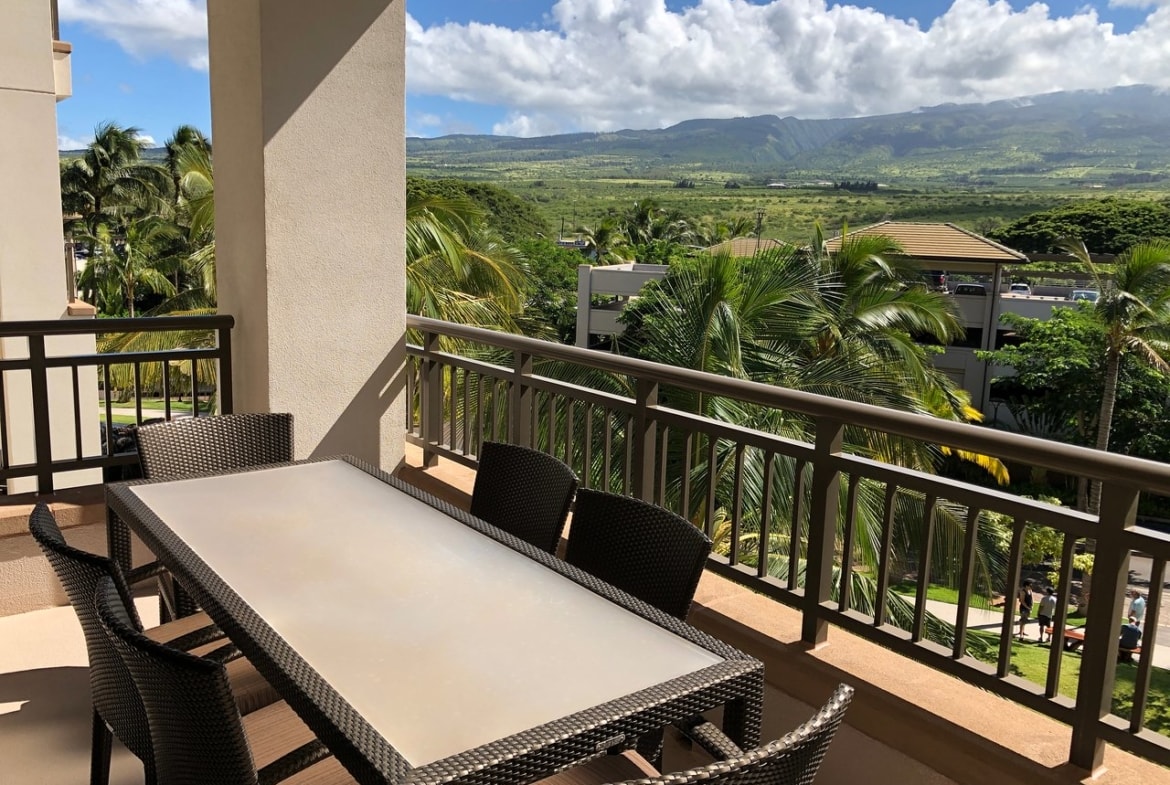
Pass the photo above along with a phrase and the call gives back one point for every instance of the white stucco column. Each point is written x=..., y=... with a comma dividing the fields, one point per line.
x=33, y=283
x=308, y=128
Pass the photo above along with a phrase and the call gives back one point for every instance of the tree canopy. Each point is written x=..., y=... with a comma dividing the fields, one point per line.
x=1104, y=225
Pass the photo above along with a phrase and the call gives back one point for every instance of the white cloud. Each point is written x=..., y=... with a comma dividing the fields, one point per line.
x=146, y=28
x=65, y=142
x=604, y=65
x=147, y=140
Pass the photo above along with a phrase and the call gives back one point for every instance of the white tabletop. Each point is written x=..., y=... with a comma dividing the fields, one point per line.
x=441, y=638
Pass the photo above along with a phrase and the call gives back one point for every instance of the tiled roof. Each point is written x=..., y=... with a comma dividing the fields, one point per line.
x=938, y=241
x=745, y=246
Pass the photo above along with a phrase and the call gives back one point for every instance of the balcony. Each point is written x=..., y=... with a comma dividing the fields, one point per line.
x=927, y=711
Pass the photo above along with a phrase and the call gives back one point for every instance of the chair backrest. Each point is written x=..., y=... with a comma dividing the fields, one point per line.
x=639, y=547
x=524, y=492
x=114, y=695
x=791, y=760
x=195, y=727
x=201, y=445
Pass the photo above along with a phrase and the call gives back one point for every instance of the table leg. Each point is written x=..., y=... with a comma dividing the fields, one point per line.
x=118, y=541
x=742, y=715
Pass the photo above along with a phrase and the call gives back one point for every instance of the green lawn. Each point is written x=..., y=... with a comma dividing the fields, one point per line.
x=1030, y=661
x=940, y=593
x=149, y=406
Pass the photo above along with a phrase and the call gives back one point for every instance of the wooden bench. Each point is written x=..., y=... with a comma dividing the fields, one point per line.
x=1075, y=636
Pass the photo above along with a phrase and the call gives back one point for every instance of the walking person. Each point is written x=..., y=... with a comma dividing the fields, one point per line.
x=1047, y=612
x=1024, y=601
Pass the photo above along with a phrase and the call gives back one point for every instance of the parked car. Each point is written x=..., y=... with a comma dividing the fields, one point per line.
x=1020, y=288
x=971, y=289
x=1089, y=295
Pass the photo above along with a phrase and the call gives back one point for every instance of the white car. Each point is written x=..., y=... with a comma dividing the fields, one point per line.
x=1089, y=295
x=1020, y=288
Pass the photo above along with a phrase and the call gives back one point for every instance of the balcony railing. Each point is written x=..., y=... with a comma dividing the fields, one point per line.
x=34, y=362
x=789, y=516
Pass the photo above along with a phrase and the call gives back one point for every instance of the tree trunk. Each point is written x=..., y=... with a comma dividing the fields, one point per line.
x=1105, y=419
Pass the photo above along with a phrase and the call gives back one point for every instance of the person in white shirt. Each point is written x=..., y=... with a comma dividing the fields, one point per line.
x=1137, y=606
x=1047, y=612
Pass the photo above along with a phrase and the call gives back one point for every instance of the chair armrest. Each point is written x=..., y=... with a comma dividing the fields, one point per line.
x=224, y=654
x=145, y=572
x=199, y=637
x=290, y=763
x=709, y=737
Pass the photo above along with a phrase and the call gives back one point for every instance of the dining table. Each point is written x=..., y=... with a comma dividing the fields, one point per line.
x=421, y=644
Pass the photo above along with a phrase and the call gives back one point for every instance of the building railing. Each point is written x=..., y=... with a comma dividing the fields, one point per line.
x=813, y=526
x=84, y=386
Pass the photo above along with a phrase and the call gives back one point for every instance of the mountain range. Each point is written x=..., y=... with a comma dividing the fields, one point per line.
x=1116, y=136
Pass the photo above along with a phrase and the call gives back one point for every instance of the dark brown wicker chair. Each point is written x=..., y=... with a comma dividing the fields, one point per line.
x=202, y=445
x=524, y=492
x=197, y=733
x=792, y=760
x=116, y=705
x=641, y=548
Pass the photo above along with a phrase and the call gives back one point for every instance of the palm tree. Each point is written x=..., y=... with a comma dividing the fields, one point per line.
x=109, y=182
x=186, y=138
x=605, y=241
x=457, y=269
x=835, y=326
x=132, y=260
x=1135, y=310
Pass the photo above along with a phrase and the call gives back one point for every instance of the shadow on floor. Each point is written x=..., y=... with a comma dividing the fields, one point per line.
x=45, y=730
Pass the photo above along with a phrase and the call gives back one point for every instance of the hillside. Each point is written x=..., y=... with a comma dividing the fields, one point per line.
x=1114, y=137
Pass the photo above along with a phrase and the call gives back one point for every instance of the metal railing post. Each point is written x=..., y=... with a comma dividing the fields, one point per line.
x=1099, y=663
x=644, y=438
x=822, y=531
x=42, y=435
x=521, y=400
x=224, y=371
x=431, y=398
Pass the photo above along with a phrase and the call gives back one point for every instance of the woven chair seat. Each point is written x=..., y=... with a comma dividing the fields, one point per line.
x=791, y=760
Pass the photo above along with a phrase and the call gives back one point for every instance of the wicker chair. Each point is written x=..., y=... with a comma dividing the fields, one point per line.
x=198, y=735
x=791, y=760
x=641, y=548
x=116, y=705
x=524, y=492
x=202, y=445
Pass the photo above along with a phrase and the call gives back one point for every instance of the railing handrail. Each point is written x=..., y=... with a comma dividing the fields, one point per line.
x=97, y=326
x=1067, y=458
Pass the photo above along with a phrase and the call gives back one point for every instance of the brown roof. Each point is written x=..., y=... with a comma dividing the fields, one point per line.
x=943, y=242
x=745, y=246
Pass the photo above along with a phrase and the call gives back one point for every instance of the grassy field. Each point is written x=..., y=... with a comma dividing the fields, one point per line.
x=1031, y=662
x=149, y=406
x=789, y=213
x=581, y=191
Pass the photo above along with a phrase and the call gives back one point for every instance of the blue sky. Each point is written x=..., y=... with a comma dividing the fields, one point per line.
x=528, y=67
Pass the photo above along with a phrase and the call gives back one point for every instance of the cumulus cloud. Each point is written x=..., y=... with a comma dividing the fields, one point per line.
x=147, y=28
x=66, y=142
x=602, y=65
x=605, y=65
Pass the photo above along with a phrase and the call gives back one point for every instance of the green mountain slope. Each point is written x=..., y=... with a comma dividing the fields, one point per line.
x=1116, y=136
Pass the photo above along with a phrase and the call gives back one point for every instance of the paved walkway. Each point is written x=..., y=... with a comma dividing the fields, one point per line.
x=992, y=620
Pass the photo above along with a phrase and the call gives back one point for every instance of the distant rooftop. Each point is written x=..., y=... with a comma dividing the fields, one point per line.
x=938, y=241
x=745, y=246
